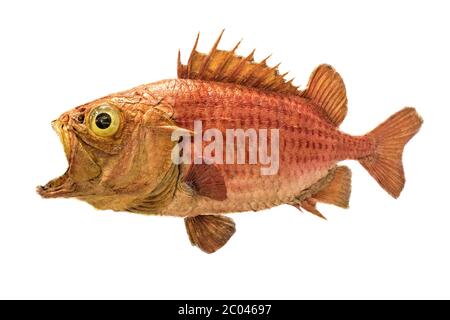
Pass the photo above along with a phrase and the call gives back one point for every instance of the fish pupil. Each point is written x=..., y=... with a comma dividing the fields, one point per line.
x=103, y=120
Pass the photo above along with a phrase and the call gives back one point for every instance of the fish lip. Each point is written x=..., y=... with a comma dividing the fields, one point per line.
x=64, y=136
x=63, y=184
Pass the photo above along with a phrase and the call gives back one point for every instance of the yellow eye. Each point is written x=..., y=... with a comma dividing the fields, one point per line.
x=104, y=120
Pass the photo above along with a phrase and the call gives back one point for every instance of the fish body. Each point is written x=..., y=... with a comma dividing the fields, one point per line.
x=309, y=144
x=227, y=135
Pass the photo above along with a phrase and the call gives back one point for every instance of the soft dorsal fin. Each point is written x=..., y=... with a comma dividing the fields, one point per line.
x=209, y=233
x=226, y=66
x=326, y=88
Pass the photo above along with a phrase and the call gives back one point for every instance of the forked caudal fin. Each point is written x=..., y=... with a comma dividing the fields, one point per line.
x=390, y=137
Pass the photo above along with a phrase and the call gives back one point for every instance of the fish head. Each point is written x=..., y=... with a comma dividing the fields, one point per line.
x=117, y=148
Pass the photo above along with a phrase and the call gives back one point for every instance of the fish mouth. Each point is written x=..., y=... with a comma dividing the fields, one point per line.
x=63, y=185
x=63, y=135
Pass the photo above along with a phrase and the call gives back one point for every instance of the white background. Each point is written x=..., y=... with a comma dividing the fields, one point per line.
x=55, y=56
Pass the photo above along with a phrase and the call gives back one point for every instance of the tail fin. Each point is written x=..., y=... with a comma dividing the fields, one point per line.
x=390, y=137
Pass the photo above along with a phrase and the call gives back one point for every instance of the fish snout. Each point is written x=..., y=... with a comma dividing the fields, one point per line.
x=68, y=119
x=64, y=118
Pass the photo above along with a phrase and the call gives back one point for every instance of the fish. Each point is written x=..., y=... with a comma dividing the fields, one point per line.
x=124, y=149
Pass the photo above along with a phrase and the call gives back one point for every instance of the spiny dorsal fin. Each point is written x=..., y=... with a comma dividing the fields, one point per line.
x=326, y=88
x=226, y=66
x=209, y=233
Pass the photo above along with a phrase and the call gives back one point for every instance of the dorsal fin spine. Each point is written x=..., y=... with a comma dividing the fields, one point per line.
x=179, y=65
x=270, y=84
x=245, y=81
x=211, y=54
x=188, y=75
x=264, y=61
x=263, y=78
x=225, y=62
x=281, y=84
x=241, y=65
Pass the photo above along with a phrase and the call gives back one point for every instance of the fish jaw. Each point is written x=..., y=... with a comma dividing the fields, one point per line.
x=81, y=166
x=61, y=185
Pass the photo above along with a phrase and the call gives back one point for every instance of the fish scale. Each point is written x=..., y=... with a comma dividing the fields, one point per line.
x=309, y=145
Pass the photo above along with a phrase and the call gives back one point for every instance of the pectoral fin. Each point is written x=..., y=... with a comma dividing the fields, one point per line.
x=206, y=180
x=209, y=232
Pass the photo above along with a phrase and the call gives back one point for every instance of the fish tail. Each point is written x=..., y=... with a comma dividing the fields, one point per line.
x=385, y=162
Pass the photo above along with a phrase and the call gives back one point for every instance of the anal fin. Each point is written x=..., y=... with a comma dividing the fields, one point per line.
x=209, y=232
x=336, y=192
x=310, y=206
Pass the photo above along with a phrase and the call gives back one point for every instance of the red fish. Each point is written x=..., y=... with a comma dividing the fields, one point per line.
x=121, y=147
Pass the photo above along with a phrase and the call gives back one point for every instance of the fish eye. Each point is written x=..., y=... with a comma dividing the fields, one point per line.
x=104, y=120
